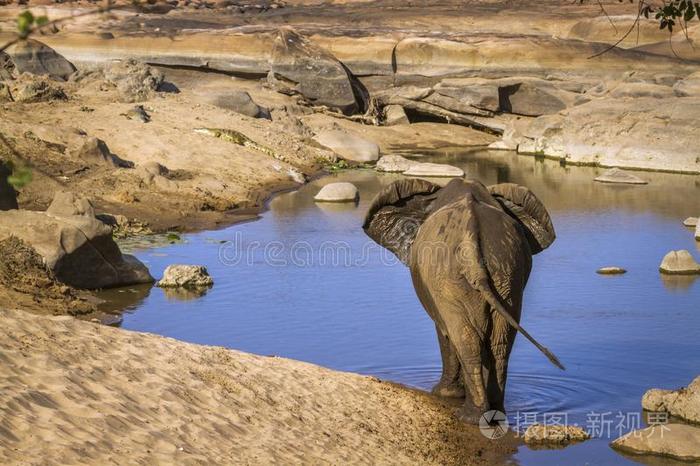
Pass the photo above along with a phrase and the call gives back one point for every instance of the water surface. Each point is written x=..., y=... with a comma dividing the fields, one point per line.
x=304, y=282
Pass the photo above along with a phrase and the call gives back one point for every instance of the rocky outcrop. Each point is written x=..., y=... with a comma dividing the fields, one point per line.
x=185, y=276
x=8, y=70
x=526, y=98
x=34, y=57
x=679, y=263
x=135, y=81
x=683, y=403
x=554, y=435
x=30, y=89
x=241, y=102
x=8, y=195
x=67, y=204
x=393, y=164
x=395, y=115
x=338, y=192
x=678, y=441
x=615, y=175
x=348, y=146
x=77, y=248
x=299, y=66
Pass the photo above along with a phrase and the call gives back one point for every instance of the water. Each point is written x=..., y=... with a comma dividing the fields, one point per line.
x=304, y=282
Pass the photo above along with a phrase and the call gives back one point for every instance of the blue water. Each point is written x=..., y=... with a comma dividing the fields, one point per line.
x=304, y=282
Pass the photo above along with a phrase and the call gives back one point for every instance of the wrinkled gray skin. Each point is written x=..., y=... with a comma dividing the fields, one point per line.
x=469, y=249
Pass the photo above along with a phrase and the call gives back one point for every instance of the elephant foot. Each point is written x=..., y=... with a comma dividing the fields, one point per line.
x=469, y=414
x=449, y=390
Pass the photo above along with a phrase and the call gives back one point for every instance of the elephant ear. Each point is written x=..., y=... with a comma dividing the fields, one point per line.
x=397, y=212
x=525, y=207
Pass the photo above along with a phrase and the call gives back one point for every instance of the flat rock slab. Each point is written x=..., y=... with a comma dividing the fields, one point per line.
x=349, y=146
x=615, y=175
x=679, y=441
x=185, y=276
x=34, y=57
x=611, y=271
x=555, y=435
x=683, y=403
x=338, y=192
x=434, y=170
x=394, y=164
x=691, y=222
x=679, y=263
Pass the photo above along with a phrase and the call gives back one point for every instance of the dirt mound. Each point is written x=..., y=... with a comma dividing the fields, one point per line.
x=26, y=282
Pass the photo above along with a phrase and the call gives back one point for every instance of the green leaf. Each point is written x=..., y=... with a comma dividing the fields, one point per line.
x=41, y=20
x=20, y=177
x=24, y=22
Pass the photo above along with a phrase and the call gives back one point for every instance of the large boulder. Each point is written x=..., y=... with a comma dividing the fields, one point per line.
x=78, y=249
x=683, y=403
x=678, y=441
x=474, y=92
x=300, y=66
x=679, y=263
x=338, y=192
x=135, y=81
x=67, y=204
x=32, y=56
x=349, y=146
x=8, y=196
x=529, y=99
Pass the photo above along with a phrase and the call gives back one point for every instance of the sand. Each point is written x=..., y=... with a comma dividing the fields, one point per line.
x=75, y=392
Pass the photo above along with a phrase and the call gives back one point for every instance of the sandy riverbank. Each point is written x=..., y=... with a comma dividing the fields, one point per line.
x=74, y=392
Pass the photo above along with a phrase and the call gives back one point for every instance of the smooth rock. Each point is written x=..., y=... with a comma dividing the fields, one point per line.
x=434, y=170
x=395, y=115
x=678, y=441
x=483, y=96
x=679, y=263
x=691, y=222
x=8, y=195
x=241, y=102
x=135, y=81
x=349, y=146
x=186, y=276
x=338, y=192
x=78, y=249
x=393, y=164
x=683, y=403
x=66, y=204
x=34, y=57
x=615, y=175
x=554, y=434
x=299, y=66
x=689, y=86
x=528, y=99
x=95, y=151
x=611, y=271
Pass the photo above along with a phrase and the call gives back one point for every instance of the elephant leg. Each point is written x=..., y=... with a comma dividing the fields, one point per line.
x=500, y=351
x=450, y=384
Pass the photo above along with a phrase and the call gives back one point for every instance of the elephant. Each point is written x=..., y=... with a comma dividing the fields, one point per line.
x=469, y=249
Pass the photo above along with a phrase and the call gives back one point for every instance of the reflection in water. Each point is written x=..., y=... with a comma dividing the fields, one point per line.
x=184, y=294
x=617, y=336
x=678, y=282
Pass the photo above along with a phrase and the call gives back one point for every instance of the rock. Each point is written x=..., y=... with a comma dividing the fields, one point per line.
x=434, y=170
x=678, y=441
x=395, y=115
x=683, y=403
x=637, y=90
x=338, y=192
x=185, y=276
x=349, y=146
x=689, y=86
x=480, y=94
x=394, y=164
x=241, y=102
x=5, y=93
x=304, y=68
x=34, y=57
x=95, y=151
x=8, y=70
x=78, y=249
x=554, y=434
x=135, y=81
x=615, y=175
x=28, y=88
x=296, y=176
x=697, y=232
x=66, y=204
x=691, y=222
x=153, y=168
x=679, y=263
x=528, y=99
x=138, y=113
x=611, y=271
x=8, y=195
